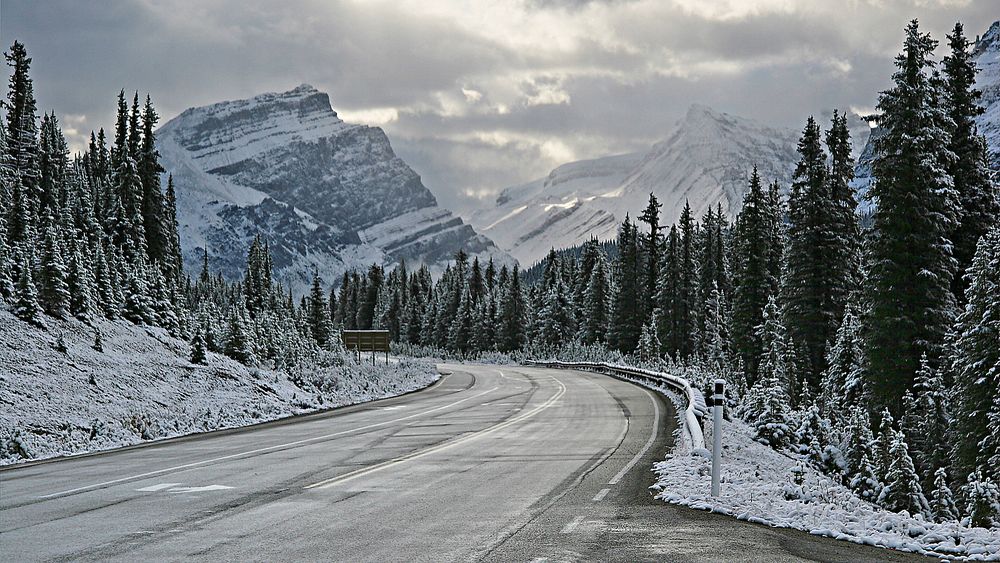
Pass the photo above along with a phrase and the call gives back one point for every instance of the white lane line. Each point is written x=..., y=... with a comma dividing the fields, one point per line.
x=199, y=489
x=258, y=450
x=440, y=447
x=600, y=496
x=154, y=488
x=568, y=528
x=649, y=443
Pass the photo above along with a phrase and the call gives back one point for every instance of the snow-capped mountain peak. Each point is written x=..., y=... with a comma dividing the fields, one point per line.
x=324, y=193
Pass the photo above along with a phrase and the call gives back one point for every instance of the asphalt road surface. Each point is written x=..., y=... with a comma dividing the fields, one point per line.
x=491, y=463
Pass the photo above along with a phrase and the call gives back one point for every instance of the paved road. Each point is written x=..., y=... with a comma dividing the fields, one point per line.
x=494, y=464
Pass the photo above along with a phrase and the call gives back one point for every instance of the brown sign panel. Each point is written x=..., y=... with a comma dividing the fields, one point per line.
x=366, y=340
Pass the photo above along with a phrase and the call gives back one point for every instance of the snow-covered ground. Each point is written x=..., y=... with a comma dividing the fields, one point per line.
x=142, y=387
x=756, y=478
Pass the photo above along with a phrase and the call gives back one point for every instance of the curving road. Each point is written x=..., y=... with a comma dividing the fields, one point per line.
x=491, y=463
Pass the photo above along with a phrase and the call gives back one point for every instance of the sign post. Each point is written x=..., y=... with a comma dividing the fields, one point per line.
x=367, y=341
x=717, y=401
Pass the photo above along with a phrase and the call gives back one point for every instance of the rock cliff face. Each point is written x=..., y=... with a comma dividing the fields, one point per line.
x=324, y=193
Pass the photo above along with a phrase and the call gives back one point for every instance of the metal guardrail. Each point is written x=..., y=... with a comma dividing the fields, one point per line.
x=694, y=412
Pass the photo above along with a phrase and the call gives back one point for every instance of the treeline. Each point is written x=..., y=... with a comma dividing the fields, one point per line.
x=870, y=344
x=96, y=236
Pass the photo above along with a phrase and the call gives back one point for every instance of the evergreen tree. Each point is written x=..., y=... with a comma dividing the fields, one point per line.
x=805, y=289
x=626, y=317
x=198, y=348
x=80, y=285
x=595, y=307
x=318, y=319
x=649, y=345
x=942, y=501
x=22, y=142
x=863, y=481
x=513, y=316
x=883, y=443
x=555, y=318
x=238, y=345
x=54, y=293
x=753, y=277
x=687, y=288
x=859, y=441
x=914, y=216
x=650, y=246
x=460, y=335
x=902, y=486
x=975, y=355
x=26, y=296
x=772, y=422
x=980, y=207
x=983, y=501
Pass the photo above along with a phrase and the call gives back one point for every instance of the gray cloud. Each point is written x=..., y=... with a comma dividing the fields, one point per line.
x=478, y=99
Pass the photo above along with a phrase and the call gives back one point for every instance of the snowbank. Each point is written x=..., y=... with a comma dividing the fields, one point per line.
x=756, y=487
x=142, y=387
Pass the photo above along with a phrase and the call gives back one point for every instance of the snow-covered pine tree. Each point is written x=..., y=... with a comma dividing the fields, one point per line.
x=650, y=245
x=942, y=501
x=882, y=444
x=238, y=345
x=804, y=284
x=915, y=214
x=53, y=293
x=649, y=345
x=902, y=486
x=26, y=305
x=81, y=286
x=980, y=207
x=513, y=315
x=460, y=335
x=754, y=278
x=975, y=353
x=864, y=482
x=982, y=501
x=318, y=319
x=596, y=315
x=626, y=317
x=198, y=348
x=772, y=423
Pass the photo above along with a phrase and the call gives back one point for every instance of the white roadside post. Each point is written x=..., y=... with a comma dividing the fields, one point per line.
x=717, y=400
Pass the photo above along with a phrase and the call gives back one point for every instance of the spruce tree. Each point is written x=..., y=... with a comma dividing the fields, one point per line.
x=914, y=216
x=982, y=501
x=513, y=316
x=942, y=501
x=26, y=296
x=980, y=207
x=238, y=345
x=902, y=486
x=650, y=244
x=22, y=140
x=975, y=353
x=626, y=317
x=54, y=292
x=318, y=319
x=753, y=276
x=595, y=307
x=864, y=482
x=198, y=348
x=649, y=344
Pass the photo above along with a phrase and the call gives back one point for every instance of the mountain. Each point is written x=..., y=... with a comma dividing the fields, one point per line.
x=987, y=54
x=325, y=194
x=706, y=160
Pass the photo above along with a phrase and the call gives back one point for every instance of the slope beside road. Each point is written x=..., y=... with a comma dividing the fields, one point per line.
x=491, y=463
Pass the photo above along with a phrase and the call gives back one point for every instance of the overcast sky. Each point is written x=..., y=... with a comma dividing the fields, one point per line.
x=477, y=96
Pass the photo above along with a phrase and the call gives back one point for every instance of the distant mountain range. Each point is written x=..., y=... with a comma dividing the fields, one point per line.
x=332, y=196
x=705, y=160
x=325, y=194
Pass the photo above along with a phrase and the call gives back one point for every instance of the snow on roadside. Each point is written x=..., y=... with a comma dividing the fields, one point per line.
x=754, y=482
x=142, y=387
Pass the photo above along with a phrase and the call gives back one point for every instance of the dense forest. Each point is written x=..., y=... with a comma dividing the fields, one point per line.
x=874, y=350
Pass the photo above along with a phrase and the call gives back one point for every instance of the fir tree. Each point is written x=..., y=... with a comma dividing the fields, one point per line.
x=649, y=345
x=754, y=277
x=238, y=346
x=513, y=316
x=26, y=296
x=863, y=481
x=975, y=353
x=983, y=501
x=627, y=318
x=596, y=297
x=198, y=348
x=319, y=321
x=914, y=216
x=902, y=486
x=54, y=293
x=942, y=501
x=980, y=207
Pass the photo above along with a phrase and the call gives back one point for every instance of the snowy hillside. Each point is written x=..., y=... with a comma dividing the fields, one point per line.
x=142, y=387
x=324, y=193
x=706, y=160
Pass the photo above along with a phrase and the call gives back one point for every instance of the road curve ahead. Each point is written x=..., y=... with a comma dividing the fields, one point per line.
x=491, y=463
